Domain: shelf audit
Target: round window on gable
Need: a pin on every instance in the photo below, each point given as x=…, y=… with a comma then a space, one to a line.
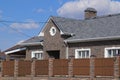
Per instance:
x=52, y=31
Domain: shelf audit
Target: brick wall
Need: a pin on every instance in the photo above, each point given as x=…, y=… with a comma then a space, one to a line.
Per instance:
x=53, y=43
x=97, y=47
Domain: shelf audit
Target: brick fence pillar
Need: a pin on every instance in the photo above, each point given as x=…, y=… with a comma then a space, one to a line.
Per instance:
x=15, y=69
x=33, y=68
x=70, y=67
x=92, y=68
x=1, y=69
x=50, y=68
x=116, y=68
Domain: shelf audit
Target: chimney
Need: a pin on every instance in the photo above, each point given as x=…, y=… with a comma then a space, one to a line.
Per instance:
x=90, y=13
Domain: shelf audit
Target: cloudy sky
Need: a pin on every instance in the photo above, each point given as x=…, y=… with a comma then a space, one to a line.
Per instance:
x=22, y=19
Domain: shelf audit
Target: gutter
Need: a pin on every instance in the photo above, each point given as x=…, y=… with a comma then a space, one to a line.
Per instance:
x=16, y=50
x=92, y=39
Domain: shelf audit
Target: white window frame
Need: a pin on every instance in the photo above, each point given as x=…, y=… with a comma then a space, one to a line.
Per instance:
x=53, y=31
x=37, y=52
x=83, y=49
x=106, y=51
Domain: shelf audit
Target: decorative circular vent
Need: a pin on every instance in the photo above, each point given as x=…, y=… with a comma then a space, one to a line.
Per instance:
x=52, y=31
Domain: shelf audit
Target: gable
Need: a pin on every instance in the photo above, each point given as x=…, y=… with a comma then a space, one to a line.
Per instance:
x=49, y=22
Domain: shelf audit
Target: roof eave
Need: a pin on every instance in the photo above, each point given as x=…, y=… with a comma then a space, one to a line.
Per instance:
x=91, y=39
x=15, y=50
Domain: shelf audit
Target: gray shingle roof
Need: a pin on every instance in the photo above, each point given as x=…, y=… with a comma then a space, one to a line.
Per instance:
x=13, y=48
x=34, y=39
x=98, y=27
x=31, y=40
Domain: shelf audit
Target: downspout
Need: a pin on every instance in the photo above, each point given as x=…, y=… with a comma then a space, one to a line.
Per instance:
x=67, y=50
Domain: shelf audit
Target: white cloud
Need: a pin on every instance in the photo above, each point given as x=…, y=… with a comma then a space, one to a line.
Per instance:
x=40, y=10
x=30, y=25
x=75, y=9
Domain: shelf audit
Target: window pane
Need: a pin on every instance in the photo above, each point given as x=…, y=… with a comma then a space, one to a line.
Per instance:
x=35, y=55
x=114, y=52
x=83, y=54
x=79, y=54
x=109, y=53
x=118, y=51
x=87, y=54
x=38, y=55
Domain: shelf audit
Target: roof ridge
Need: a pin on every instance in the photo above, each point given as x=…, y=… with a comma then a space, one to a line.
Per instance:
x=97, y=17
x=104, y=16
x=64, y=18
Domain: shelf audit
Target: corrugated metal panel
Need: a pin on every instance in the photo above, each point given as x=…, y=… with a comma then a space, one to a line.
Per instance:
x=24, y=68
x=104, y=67
x=81, y=67
x=8, y=68
x=41, y=67
x=60, y=67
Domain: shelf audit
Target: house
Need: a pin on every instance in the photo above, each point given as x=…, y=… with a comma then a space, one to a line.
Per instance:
x=22, y=50
x=93, y=36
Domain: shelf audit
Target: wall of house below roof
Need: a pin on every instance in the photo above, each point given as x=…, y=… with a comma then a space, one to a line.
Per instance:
x=32, y=48
x=53, y=43
x=97, y=47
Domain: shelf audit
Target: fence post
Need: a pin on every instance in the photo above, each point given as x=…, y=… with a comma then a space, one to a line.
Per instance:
x=15, y=69
x=1, y=68
x=116, y=68
x=70, y=67
x=92, y=68
x=33, y=68
x=50, y=68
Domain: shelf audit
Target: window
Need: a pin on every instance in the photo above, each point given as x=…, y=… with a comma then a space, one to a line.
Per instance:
x=37, y=54
x=52, y=31
x=82, y=53
x=111, y=52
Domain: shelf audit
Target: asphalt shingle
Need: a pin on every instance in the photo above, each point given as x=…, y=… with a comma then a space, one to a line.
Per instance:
x=98, y=27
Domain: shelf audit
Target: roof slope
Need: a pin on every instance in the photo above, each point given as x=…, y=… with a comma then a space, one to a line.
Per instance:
x=99, y=27
x=13, y=48
x=34, y=39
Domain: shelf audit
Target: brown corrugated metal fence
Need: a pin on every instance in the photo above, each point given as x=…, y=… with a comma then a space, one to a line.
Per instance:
x=41, y=67
x=8, y=68
x=104, y=66
x=24, y=68
x=60, y=67
x=119, y=66
x=81, y=67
